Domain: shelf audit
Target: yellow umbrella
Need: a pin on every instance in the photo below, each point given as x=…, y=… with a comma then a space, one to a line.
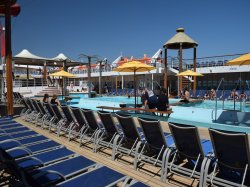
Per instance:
x=189, y=73
x=242, y=60
x=62, y=74
x=134, y=66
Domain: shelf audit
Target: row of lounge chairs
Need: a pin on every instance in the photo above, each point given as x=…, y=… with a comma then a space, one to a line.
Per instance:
x=34, y=160
x=223, y=161
x=221, y=94
x=121, y=92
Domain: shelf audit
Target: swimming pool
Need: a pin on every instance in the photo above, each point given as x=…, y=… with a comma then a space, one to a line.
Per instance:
x=116, y=100
x=200, y=114
x=227, y=105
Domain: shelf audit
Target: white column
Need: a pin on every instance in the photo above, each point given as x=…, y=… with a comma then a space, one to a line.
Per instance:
x=152, y=80
x=122, y=81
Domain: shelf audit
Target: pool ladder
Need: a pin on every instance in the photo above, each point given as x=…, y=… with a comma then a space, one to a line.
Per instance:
x=242, y=101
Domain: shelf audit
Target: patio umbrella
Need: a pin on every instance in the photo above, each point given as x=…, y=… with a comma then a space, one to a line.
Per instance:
x=62, y=74
x=134, y=66
x=242, y=60
x=189, y=73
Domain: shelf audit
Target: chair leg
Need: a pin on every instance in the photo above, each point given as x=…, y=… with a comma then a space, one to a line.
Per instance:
x=115, y=145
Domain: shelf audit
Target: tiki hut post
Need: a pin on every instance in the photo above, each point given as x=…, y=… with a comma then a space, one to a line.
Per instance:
x=194, y=85
x=165, y=69
x=179, y=42
x=180, y=69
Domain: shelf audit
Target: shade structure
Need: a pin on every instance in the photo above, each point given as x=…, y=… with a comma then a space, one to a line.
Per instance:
x=180, y=38
x=134, y=66
x=242, y=60
x=62, y=74
x=189, y=73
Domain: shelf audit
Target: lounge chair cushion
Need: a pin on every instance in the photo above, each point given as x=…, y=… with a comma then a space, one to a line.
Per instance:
x=98, y=178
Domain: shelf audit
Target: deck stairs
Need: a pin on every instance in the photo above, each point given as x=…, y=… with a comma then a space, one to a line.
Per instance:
x=51, y=91
x=186, y=81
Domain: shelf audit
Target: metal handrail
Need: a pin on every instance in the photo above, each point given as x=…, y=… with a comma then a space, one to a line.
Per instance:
x=216, y=98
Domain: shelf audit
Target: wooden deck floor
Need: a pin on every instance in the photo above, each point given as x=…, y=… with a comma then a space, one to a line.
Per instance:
x=147, y=174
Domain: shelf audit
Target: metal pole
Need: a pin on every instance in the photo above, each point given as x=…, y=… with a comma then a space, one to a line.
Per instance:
x=8, y=58
x=180, y=68
x=223, y=101
x=100, y=78
x=27, y=80
x=1, y=60
x=89, y=76
x=44, y=71
x=216, y=99
x=122, y=81
x=116, y=92
x=194, y=85
x=152, y=80
x=135, y=88
x=62, y=88
x=165, y=69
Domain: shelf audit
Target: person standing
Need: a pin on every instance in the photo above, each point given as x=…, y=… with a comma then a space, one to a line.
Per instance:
x=152, y=100
x=163, y=102
x=144, y=97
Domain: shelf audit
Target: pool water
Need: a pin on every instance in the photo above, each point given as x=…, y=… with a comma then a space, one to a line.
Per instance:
x=114, y=101
x=227, y=105
x=201, y=114
x=85, y=102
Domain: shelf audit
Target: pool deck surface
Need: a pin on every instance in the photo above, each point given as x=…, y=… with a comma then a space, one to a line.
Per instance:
x=146, y=173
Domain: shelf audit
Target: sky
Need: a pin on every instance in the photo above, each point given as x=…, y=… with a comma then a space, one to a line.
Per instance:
x=109, y=28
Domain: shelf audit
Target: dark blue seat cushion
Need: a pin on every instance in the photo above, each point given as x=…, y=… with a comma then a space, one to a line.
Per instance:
x=98, y=178
x=66, y=168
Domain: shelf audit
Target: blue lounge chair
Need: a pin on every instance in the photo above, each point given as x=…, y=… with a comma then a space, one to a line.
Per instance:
x=22, y=134
x=40, y=112
x=131, y=139
x=43, y=159
x=13, y=130
x=81, y=127
x=60, y=121
x=9, y=142
x=52, y=119
x=69, y=121
x=2, y=120
x=111, y=131
x=5, y=119
x=34, y=113
x=156, y=149
x=6, y=122
x=60, y=171
x=232, y=155
x=190, y=152
x=25, y=150
x=11, y=125
x=93, y=127
x=44, y=115
x=27, y=110
x=100, y=177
